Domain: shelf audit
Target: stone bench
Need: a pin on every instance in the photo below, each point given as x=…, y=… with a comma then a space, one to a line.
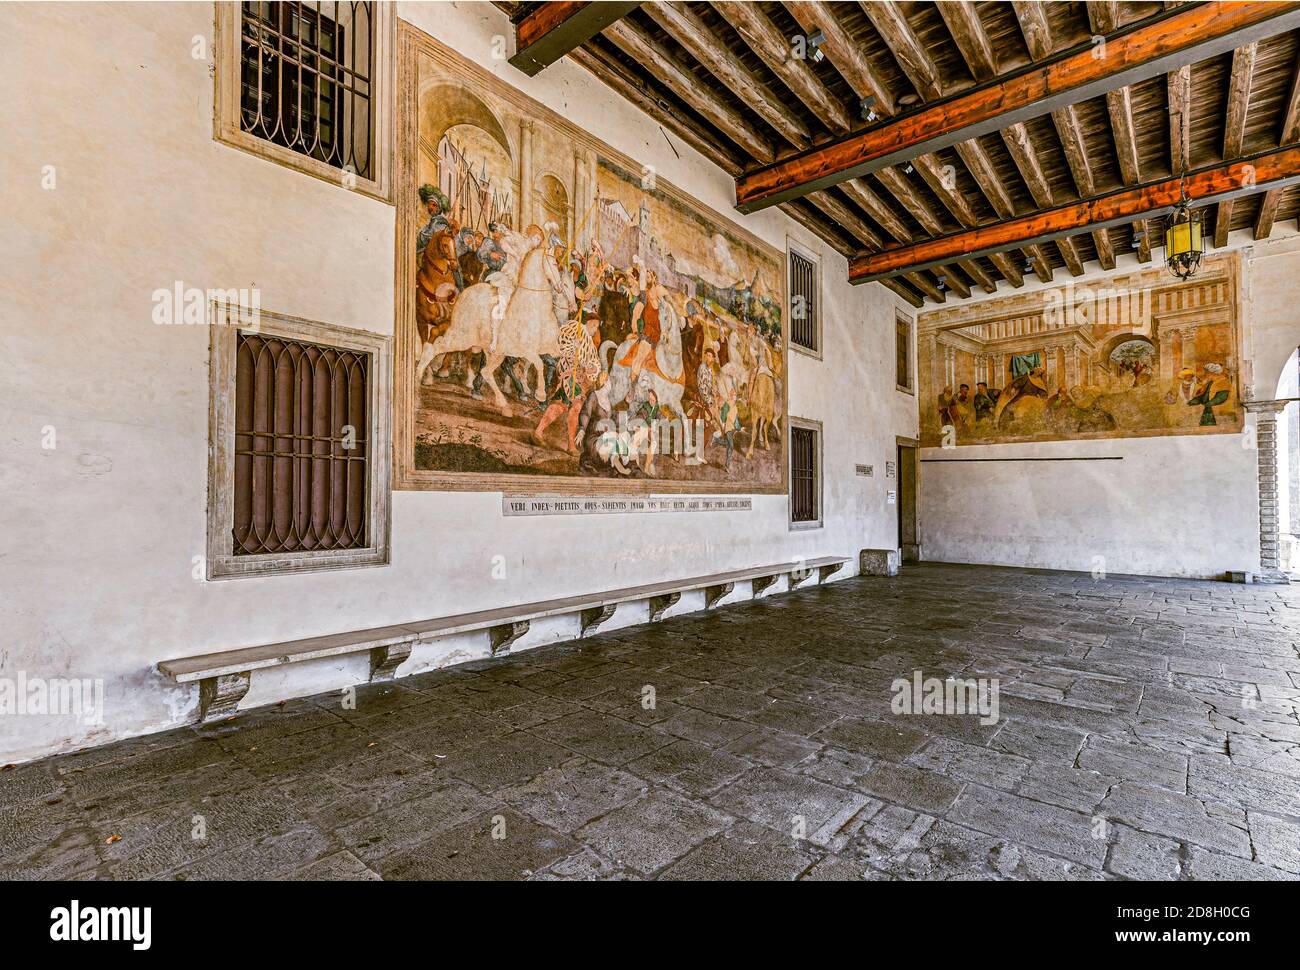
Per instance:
x=224, y=678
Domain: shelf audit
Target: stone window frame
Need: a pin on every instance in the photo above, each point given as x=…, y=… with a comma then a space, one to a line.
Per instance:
x=819, y=475
x=793, y=246
x=224, y=324
x=226, y=127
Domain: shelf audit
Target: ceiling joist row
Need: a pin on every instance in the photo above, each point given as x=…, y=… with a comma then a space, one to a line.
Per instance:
x=948, y=147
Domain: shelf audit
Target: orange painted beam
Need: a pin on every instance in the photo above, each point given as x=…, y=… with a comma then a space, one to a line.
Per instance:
x=1182, y=36
x=1258, y=173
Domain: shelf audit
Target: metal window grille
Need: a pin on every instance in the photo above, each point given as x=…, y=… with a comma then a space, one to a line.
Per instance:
x=306, y=80
x=301, y=453
x=803, y=302
x=803, y=475
x=902, y=347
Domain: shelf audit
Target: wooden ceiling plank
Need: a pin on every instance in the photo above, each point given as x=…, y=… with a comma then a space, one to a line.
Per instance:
x=1267, y=214
x=800, y=214
x=1103, y=16
x=1038, y=259
x=964, y=24
x=953, y=281
x=632, y=89
x=876, y=207
x=906, y=292
x=656, y=59
x=775, y=50
x=1289, y=136
x=694, y=36
x=923, y=283
x=906, y=47
x=1138, y=205
x=1038, y=38
x=1234, y=128
x=1008, y=268
x=1151, y=48
x=1180, y=119
x=844, y=53
x=846, y=219
x=1034, y=26
x=977, y=272
x=549, y=31
x=933, y=173
x=910, y=199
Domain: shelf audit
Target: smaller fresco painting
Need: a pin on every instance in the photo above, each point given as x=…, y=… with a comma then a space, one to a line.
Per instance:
x=1132, y=356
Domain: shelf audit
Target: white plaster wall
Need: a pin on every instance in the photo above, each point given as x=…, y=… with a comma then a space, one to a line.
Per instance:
x=1180, y=505
x=98, y=536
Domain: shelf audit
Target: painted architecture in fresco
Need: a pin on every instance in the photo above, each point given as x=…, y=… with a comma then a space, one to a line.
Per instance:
x=1130, y=356
x=574, y=317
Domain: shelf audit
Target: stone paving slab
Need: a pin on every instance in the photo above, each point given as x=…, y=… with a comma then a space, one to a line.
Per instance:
x=1147, y=729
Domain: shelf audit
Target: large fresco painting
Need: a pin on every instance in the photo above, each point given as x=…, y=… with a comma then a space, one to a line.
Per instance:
x=567, y=320
x=1130, y=356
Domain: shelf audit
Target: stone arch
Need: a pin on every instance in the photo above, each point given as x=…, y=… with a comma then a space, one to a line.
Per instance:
x=444, y=105
x=553, y=200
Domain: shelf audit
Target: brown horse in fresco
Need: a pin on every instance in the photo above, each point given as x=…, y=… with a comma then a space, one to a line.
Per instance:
x=436, y=289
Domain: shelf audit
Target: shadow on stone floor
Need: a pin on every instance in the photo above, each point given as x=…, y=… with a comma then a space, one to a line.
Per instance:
x=1146, y=729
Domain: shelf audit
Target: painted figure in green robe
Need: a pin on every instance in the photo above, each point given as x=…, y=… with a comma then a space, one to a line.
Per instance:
x=1210, y=394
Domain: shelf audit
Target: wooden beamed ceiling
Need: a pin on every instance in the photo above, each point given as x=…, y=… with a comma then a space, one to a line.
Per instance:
x=911, y=129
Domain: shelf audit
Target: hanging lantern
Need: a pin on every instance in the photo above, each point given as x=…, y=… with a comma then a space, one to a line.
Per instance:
x=1184, y=239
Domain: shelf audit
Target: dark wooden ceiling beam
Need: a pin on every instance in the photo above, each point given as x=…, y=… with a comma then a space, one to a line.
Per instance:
x=1181, y=36
x=1234, y=128
x=694, y=36
x=1290, y=135
x=1279, y=169
x=548, y=31
x=660, y=63
x=777, y=52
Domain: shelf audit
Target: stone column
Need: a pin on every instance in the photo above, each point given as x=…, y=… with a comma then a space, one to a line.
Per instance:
x=1266, y=455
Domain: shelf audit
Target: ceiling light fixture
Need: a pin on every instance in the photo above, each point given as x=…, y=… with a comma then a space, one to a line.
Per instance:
x=1184, y=236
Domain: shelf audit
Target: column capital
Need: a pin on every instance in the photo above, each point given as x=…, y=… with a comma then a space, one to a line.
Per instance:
x=1266, y=407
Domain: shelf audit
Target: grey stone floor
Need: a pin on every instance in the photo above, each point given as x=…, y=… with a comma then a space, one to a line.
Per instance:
x=1148, y=729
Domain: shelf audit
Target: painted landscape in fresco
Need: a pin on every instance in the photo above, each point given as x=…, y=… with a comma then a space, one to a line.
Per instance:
x=1132, y=356
x=575, y=319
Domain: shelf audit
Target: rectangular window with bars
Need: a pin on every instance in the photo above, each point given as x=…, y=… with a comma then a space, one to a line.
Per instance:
x=903, y=352
x=306, y=80
x=805, y=475
x=301, y=446
x=805, y=309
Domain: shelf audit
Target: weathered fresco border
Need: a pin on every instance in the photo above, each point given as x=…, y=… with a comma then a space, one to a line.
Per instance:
x=413, y=43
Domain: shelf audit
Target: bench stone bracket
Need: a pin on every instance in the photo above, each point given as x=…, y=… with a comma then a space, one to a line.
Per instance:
x=503, y=636
x=761, y=583
x=714, y=593
x=384, y=661
x=219, y=696
x=594, y=617
x=659, y=605
x=825, y=572
x=797, y=577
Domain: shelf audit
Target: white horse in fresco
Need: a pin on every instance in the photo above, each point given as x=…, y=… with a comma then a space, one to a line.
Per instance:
x=526, y=328
x=668, y=382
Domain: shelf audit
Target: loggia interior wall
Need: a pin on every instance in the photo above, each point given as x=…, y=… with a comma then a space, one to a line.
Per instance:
x=102, y=531
x=1173, y=506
